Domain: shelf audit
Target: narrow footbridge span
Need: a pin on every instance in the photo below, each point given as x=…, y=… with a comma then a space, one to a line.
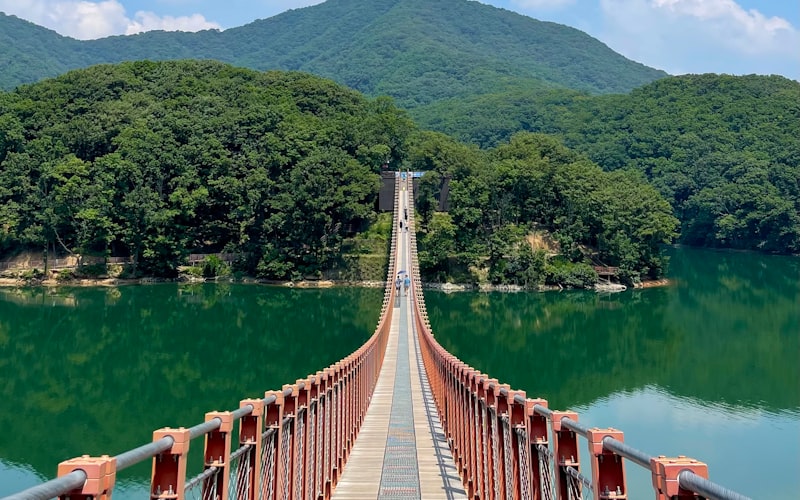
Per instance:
x=400, y=418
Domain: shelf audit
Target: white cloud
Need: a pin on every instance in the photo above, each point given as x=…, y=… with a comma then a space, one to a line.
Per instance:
x=541, y=4
x=698, y=36
x=746, y=30
x=148, y=21
x=84, y=20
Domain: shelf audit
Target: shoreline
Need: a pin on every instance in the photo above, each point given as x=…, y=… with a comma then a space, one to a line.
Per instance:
x=445, y=287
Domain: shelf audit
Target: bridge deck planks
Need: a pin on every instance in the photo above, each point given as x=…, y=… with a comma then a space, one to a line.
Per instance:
x=438, y=477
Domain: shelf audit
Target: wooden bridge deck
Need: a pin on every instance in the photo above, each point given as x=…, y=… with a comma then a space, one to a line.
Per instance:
x=401, y=450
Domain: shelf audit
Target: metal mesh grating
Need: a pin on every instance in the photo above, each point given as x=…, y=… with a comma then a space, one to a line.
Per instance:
x=241, y=472
x=509, y=466
x=268, y=469
x=203, y=486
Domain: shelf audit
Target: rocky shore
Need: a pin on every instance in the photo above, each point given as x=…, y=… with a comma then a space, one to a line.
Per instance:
x=19, y=281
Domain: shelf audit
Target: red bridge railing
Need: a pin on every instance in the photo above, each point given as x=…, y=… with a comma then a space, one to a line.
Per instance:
x=292, y=443
x=508, y=446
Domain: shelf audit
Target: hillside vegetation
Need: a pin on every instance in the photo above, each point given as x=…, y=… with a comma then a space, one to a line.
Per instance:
x=533, y=183
x=156, y=160
x=723, y=150
x=416, y=51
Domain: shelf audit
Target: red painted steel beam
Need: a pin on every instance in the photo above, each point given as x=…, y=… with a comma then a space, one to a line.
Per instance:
x=168, y=479
x=608, y=468
x=250, y=429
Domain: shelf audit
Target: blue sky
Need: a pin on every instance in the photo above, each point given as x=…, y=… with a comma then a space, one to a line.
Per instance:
x=678, y=36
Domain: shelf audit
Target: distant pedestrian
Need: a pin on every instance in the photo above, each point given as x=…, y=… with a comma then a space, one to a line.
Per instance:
x=406, y=283
x=401, y=225
x=397, y=283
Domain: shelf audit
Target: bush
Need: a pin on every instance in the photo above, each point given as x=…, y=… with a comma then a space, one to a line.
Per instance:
x=213, y=267
x=32, y=274
x=195, y=271
x=66, y=275
x=94, y=270
x=570, y=274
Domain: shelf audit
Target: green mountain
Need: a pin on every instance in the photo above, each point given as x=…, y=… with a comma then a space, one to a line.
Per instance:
x=723, y=150
x=155, y=159
x=418, y=51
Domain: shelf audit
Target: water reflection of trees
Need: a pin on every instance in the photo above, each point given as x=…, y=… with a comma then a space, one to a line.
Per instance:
x=559, y=346
x=727, y=333
x=101, y=376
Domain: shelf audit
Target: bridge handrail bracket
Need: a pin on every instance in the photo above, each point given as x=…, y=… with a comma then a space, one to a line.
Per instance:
x=100, y=472
x=608, y=468
x=665, y=474
x=273, y=412
x=168, y=479
x=565, y=449
x=537, y=424
x=217, y=452
x=251, y=427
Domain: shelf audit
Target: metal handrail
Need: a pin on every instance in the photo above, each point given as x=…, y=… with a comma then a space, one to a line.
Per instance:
x=687, y=479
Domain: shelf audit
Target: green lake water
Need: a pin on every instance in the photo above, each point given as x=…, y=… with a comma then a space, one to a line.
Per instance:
x=707, y=367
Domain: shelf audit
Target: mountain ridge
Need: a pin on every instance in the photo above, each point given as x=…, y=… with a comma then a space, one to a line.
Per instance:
x=413, y=50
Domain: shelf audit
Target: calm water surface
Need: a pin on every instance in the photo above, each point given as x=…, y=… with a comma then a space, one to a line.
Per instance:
x=706, y=368
x=93, y=371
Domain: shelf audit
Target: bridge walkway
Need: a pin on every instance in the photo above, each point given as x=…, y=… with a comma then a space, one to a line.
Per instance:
x=401, y=451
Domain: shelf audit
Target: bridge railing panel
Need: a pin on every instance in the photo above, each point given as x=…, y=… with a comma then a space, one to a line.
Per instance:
x=508, y=446
x=292, y=443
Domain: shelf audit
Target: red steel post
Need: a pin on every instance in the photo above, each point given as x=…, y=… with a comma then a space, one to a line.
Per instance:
x=519, y=421
x=290, y=412
x=273, y=417
x=483, y=455
x=505, y=468
x=100, y=476
x=250, y=429
x=336, y=422
x=303, y=402
x=665, y=476
x=327, y=383
x=218, y=453
x=565, y=450
x=537, y=436
x=312, y=484
x=493, y=465
x=463, y=424
x=472, y=433
x=608, y=468
x=168, y=479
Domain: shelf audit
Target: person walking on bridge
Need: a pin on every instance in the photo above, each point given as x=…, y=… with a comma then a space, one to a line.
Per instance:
x=406, y=283
x=397, y=283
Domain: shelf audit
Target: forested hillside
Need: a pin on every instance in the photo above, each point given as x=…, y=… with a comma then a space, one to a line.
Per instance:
x=157, y=160
x=533, y=184
x=723, y=150
x=416, y=51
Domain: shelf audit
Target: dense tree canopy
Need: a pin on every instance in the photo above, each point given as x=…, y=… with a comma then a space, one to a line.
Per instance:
x=533, y=182
x=155, y=160
x=723, y=150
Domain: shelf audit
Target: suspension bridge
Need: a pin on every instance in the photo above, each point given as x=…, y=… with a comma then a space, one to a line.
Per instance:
x=399, y=418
